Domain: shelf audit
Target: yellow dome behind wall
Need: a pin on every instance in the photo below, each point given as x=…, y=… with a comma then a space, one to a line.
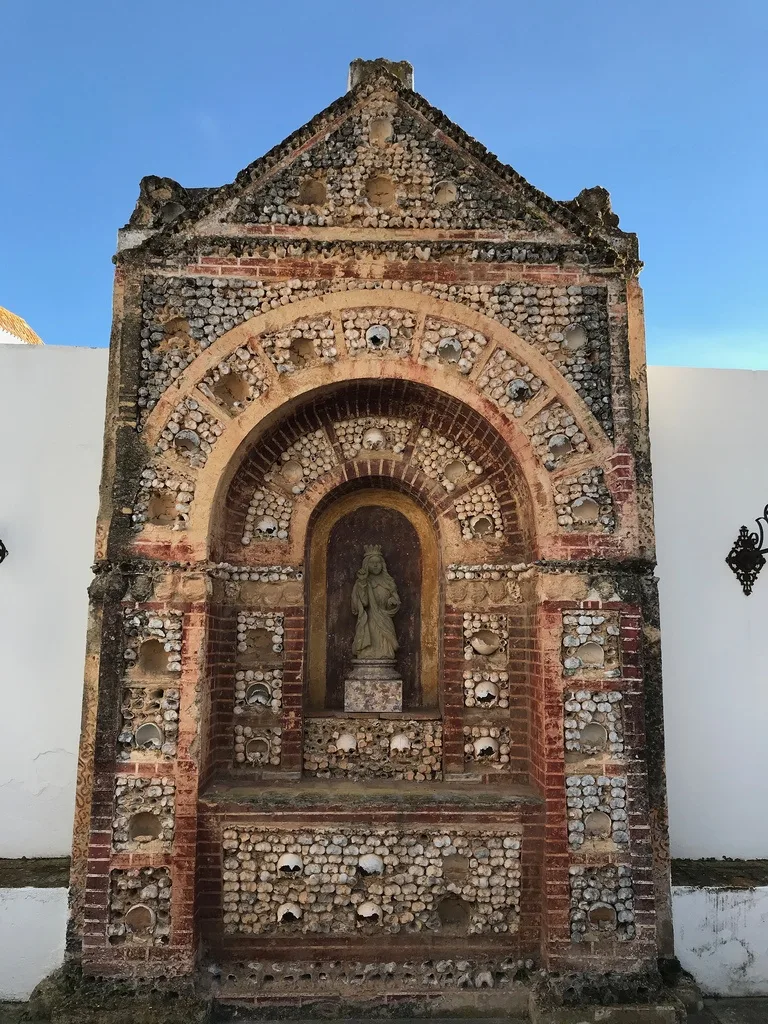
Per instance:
x=15, y=330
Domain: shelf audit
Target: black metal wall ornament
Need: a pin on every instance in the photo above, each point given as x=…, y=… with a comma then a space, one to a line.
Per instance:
x=3, y=552
x=746, y=557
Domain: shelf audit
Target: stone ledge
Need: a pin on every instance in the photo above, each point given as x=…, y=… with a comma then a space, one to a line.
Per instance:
x=341, y=796
x=633, y=997
x=661, y=1013
x=34, y=873
x=720, y=874
x=66, y=997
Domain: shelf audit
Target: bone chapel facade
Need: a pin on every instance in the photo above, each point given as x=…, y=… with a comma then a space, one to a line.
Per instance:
x=372, y=687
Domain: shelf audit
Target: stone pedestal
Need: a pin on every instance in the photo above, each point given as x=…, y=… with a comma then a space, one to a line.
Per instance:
x=373, y=685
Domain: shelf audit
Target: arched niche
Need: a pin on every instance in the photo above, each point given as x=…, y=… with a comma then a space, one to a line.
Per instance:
x=422, y=407
x=342, y=526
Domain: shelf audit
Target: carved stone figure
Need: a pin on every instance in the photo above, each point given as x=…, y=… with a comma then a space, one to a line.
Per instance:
x=374, y=683
x=374, y=601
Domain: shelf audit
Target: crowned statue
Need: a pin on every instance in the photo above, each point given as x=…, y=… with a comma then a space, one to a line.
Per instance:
x=374, y=601
x=374, y=683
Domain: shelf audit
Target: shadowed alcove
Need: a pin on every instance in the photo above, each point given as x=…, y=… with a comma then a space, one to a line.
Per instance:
x=342, y=528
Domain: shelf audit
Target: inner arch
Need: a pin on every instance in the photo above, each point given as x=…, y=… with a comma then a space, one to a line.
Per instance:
x=408, y=402
x=341, y=528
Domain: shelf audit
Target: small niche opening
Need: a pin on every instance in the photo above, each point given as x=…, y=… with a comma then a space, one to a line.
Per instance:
x=593, y=737
x=186, y=441
x=482, y=526
x=231, y=391
x=445, y=192
x=377, y=336
x=575, y=339
x=597, y=825
x=380, y=191
x=174, y=325
x=144, y=826
x=585, y=510
x=453, y=913
x=161, y=510
x=258, y=647
x=257, y=750
x=449, y=350
x=591, y=655
x=485, y=641
x=602, y=916
x=148, y=736
x=302, y=351
x=455, y=472
x=455, y=868
x=312, y=192
x=153, y=658
x=140, y=919
x=380, y=130
x=559, y=445
x=175, y=334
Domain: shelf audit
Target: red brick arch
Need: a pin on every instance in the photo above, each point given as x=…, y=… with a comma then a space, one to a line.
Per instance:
x=426, y=408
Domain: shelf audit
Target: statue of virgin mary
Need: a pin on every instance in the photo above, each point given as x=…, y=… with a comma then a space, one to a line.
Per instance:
x=374, y=601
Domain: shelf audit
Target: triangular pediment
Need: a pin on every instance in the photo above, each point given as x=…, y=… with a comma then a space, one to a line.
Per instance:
x=380, y=157
x=386, y=166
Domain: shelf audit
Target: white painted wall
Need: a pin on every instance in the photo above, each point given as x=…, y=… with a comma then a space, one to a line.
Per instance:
x=720, y=938
x=51, y=424
x=710, y=470
x=32, y=929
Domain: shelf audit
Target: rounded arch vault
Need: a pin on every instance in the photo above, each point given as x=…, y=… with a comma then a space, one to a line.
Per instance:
x=403, y=434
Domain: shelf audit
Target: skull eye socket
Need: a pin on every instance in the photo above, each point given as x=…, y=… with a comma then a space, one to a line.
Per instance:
x=377, y=336
x=518, y=390
x=449, y=350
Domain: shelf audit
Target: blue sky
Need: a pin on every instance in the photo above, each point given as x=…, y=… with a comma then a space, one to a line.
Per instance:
x=663, y=103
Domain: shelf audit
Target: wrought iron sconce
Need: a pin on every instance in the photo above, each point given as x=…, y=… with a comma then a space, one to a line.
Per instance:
x=3, y=552
x=746, y=557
